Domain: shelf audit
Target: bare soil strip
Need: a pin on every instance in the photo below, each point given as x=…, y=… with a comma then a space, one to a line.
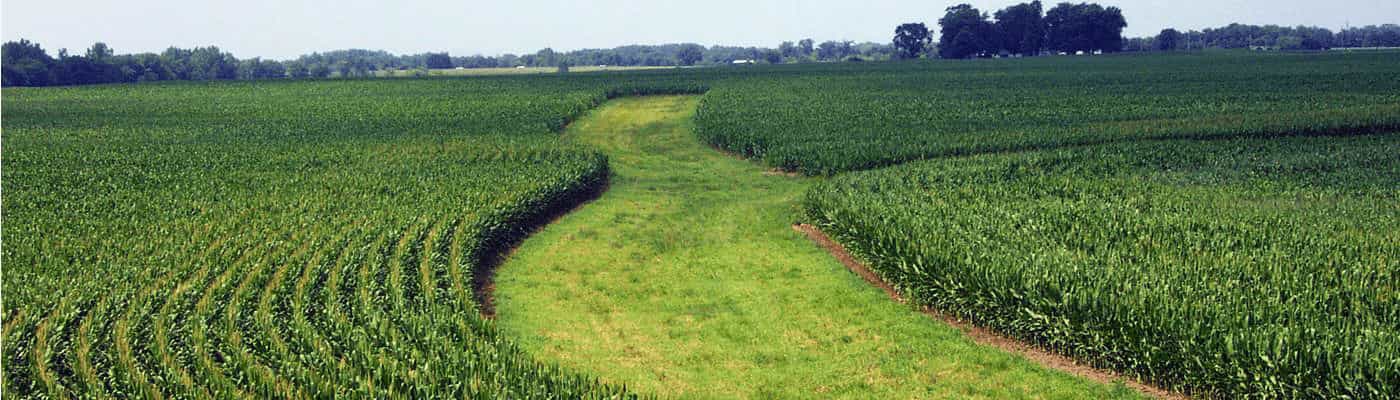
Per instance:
x=984, y=336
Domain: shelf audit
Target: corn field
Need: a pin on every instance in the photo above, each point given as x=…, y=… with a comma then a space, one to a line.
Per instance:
x=1222, y=224
x=278, y=240
x=1236, y=268
x=823, y=120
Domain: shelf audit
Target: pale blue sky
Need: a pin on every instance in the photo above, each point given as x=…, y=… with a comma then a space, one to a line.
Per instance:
x=286, y=28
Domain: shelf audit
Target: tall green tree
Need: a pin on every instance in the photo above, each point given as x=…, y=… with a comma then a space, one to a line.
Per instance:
x=910, y=40
x=210, y=63
x=1108, y=30
x=788, y=49
x=969, y=29
x=99, y=52
x=805, y=47
x=25, y=63
x=1021, y=28
x=177, y=61
x=1085, y=27
x=964, y=45
x=690, y=53
x=772, y=56
x=546, y=57
x=439, y=61
x=1169, y=39
x=1314, y=38
x=832, y=50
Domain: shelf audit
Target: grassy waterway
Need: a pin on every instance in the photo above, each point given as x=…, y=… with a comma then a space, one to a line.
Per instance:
x=686, y=279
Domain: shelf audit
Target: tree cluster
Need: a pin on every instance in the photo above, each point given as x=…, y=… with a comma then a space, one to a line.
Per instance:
x=361, y=62
x=1085, y=27
x=25, y=63
x=636, y=55
x=437, y=61
x=1021, y=29
x=910, y=40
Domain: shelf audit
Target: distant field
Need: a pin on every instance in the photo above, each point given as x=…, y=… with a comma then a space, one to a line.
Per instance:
x=1223, y=223
x=853, y=117
x=514, y=71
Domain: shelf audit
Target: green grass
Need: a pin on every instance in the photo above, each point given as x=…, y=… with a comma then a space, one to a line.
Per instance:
x=686, y=279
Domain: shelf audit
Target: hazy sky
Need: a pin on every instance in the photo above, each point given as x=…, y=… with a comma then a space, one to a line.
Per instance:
x=284, y=29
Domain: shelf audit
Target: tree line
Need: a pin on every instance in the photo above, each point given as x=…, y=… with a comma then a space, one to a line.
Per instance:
x=1273, y=37
x=687, y=54
x=1025, y=29
x=26, y=63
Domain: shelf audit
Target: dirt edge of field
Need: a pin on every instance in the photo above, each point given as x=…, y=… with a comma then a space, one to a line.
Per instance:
x=484, y=272
x=984, y=336
x=768, y=171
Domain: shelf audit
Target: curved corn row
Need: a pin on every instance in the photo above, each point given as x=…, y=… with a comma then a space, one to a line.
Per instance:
x=322, y=308
x=253, y=266
x=1246, y=268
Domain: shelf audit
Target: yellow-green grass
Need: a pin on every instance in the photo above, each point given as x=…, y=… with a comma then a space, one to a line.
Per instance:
x=686, y=280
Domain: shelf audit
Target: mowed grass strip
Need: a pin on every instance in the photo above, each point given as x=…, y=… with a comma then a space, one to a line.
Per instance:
x=685, y=279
